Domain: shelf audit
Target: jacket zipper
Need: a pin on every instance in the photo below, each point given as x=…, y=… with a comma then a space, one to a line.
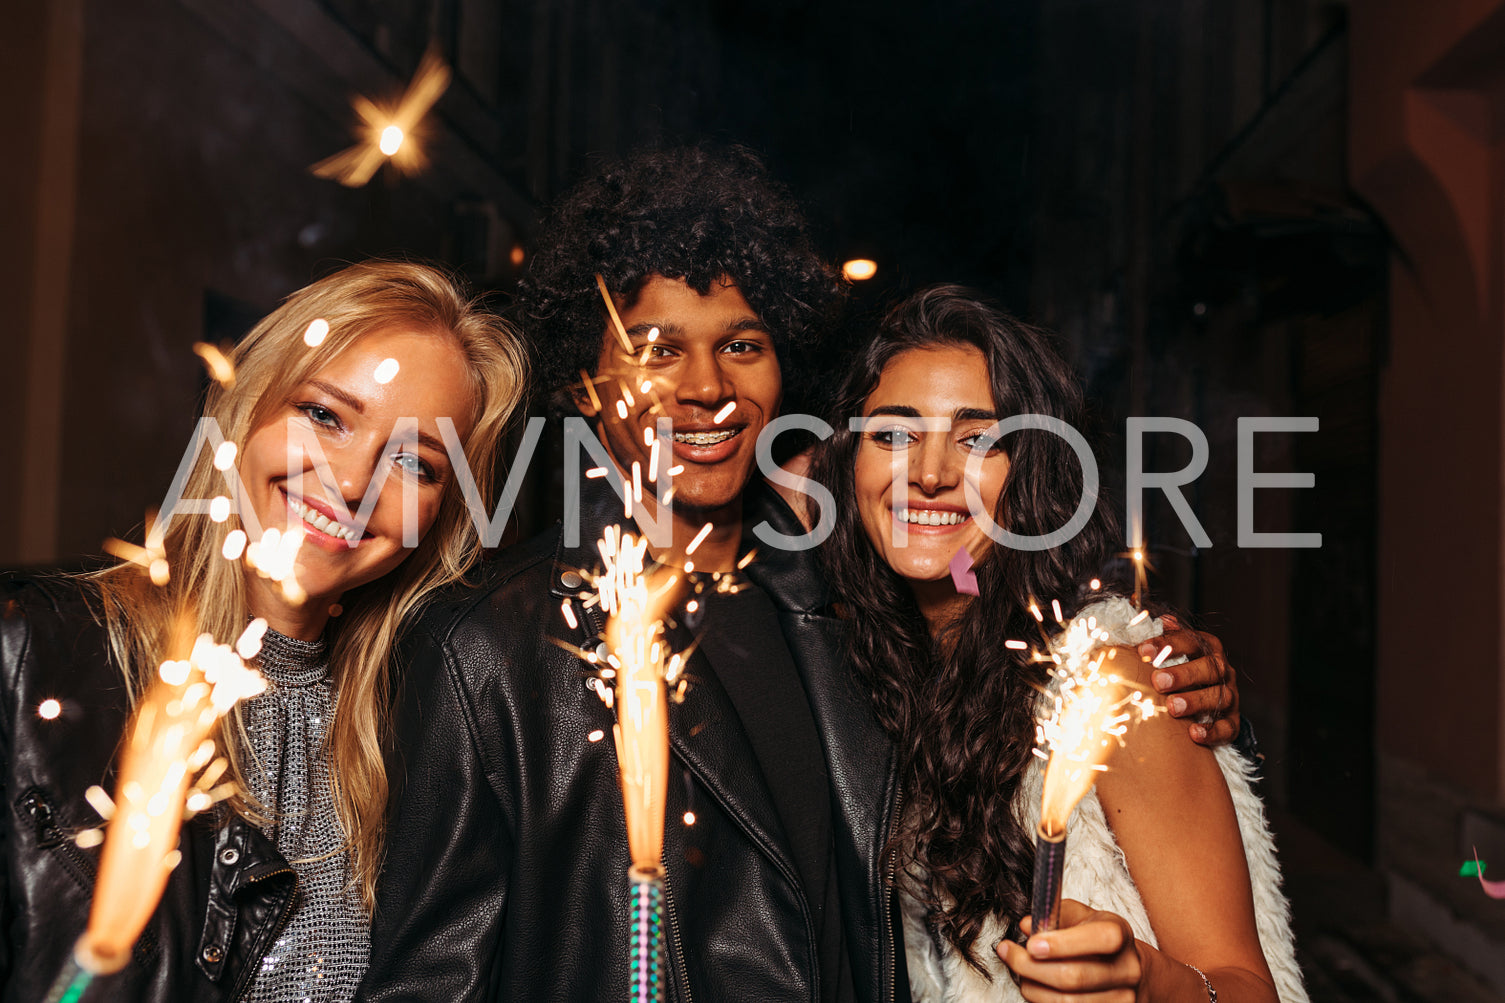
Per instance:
x=888, y=917
x=51, y=837
x=55, y=839
x=674, y=935
x=248, y=976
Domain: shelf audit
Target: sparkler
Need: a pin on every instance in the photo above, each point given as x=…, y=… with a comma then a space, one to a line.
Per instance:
x=1089, y=712
x=167, y=773
x=643, y=669
x=388, y=132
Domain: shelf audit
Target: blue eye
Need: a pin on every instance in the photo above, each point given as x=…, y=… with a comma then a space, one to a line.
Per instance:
x=319, y=415
x=413, y=464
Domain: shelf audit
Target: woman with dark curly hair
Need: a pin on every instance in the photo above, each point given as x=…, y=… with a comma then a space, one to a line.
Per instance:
x=1160, y=847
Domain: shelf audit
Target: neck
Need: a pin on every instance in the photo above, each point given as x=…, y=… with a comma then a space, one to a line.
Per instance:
x=716, y=551
x=303, y=622
x=940, y=604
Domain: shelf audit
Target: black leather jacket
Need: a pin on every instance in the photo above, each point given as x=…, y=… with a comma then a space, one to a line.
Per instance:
x=225, y=900
x=507, y=849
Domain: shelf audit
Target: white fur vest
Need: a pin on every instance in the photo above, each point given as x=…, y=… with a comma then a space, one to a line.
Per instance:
x=1097, y=874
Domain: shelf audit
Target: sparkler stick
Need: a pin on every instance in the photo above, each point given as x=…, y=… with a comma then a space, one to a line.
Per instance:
x=1087, y=717
x=643, y=669
x=167, y=745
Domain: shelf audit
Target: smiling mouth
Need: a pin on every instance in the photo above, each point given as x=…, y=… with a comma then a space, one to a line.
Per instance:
x=931, y=517
x=321, y=522
x=706, y=438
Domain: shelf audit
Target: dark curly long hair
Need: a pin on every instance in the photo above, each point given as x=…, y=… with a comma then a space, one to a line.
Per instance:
x=696, y=213
x=961, y=708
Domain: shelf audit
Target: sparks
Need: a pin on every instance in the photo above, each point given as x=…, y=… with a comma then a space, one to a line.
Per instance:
x=1087, y=714
x=49, y=709
x=389, y=132
x=705, y=531
x=218, y=364
x=724, y=412
x=317, y=331
x=158, y=758
x=611, y=310
x=635, y=600
x=386, y=372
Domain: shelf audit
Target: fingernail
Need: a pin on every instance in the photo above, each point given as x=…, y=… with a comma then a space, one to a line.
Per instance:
x=1162, y=680
x=1177, y=705
x=1198, y=732
x=1147, y=649
x=1039, y=947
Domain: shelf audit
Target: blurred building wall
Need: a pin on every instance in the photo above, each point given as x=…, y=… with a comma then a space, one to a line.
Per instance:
x=1426, y=151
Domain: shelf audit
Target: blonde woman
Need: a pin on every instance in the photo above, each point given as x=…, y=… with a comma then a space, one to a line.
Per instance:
x=342, y=439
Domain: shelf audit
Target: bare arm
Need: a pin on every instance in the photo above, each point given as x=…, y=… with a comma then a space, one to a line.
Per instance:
x=1170, y=810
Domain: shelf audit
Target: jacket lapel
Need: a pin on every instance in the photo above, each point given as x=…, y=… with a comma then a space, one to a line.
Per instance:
x=859, y=756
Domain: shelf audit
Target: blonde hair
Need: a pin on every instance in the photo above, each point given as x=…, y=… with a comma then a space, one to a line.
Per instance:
x=270, y=363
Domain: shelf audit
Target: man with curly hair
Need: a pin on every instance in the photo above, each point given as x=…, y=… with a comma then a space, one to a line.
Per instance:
x=507, y=862
x=506, y=869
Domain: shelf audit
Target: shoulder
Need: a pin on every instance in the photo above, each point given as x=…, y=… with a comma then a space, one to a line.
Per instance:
x=797, y=466
x=44, y=616
x=493, y=627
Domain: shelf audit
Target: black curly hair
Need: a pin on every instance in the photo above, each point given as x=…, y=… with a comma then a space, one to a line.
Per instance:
x=960, y=707
x=696, y=213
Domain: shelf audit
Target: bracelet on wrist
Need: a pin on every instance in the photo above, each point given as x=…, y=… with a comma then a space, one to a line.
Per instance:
x=1212, y=994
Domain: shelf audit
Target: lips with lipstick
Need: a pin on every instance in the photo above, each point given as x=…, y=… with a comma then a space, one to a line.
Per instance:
x=323, y=523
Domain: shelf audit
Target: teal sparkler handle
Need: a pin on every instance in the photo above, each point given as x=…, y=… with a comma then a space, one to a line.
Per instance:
x=70, y=983
x=646, y=931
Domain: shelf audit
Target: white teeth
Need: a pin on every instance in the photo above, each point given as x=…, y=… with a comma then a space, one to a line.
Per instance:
x=318, y=520
x=931, y=517
x=705, y=438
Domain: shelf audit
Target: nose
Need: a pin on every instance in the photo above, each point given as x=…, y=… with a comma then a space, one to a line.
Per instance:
x=933, y=467
x=703, y=381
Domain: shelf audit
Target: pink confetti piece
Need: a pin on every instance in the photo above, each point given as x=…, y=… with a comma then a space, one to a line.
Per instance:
x=962, y=575
x=1494, y=889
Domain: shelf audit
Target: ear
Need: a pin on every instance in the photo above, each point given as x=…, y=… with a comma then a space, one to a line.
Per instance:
x=586, y=400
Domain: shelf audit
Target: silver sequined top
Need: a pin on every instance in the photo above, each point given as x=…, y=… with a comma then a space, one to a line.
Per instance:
x=321, y=953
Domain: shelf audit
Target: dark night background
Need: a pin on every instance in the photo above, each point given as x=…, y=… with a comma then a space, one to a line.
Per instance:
x=1226, y=208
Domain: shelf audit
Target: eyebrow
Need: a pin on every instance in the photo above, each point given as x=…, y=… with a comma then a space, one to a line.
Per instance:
x=673, y=330
x=343, y=396
x=355, y=404
x=960, y=414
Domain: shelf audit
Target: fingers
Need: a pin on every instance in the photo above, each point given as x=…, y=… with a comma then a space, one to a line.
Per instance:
x=1098, y=977
x=1193, y=644
x=1220, y=732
